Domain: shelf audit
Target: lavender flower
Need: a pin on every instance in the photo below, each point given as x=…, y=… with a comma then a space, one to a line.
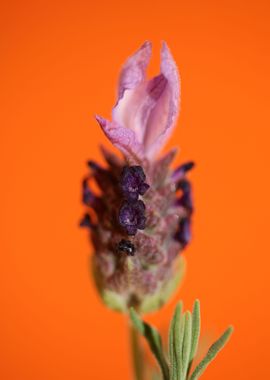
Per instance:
x=141, y=218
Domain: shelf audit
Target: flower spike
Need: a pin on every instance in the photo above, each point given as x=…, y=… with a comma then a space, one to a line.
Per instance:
x=143, y=209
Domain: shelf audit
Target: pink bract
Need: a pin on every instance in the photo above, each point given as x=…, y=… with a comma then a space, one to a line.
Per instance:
x=146, y=109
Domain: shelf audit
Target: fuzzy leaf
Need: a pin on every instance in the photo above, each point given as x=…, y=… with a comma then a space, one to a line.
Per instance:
x=172, y=351
x=179, y=332
x=154, y=340
x=196, y=326
x=212, y=353
x=179, y=345
x=186, y=344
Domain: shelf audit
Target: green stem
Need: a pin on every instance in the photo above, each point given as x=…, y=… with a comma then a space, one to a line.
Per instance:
x=137, y=354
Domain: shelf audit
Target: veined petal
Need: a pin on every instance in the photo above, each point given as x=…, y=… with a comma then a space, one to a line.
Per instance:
x=163, y=117
x=134, y=70
x=134, y=104
x=122, y=138
x=149, y=108
x=134, y=109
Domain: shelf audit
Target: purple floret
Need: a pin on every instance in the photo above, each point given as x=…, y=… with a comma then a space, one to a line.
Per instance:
x=86, y=221
x=131, y=216
x=186, y=201
x=183, y=185
x=133, y=182
x=180, y=172
x=93, y=165
x=87, y=195
x=183, y=234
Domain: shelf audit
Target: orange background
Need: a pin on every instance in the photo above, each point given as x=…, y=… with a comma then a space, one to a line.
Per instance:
x=59, y=66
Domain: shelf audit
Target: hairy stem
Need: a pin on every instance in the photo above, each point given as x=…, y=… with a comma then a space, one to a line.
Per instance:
x=137, y=353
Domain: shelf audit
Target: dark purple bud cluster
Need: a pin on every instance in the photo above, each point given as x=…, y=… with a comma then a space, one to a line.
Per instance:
x=131, y=216
x=133, y=183
x=127, y=247
x=132, y=212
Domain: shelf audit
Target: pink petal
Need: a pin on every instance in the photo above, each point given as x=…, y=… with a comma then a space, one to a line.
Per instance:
x=122, y=138
x=134, y=104
x=163, y=117
x=134, y=109
x=137, y=97
x=149, y=108
x=134, y=70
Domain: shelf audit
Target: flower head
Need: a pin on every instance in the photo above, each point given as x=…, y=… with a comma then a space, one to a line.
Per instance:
x=140, y=221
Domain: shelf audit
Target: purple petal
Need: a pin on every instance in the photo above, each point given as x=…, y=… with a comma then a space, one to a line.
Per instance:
x=183, y=235
x=86, y=222
x=93, y=165
x=186, y=201
x=184, y=185
x=88, y=197
x=164, y=115
x=122, y=138
x=180, y=172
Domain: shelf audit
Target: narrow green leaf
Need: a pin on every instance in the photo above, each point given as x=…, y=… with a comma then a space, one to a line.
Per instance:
x=137, y=353
x=212, y=353
x=172, y=353
x=196, y=326
x=179, y=331
x=186, y=345
x=154, y=340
